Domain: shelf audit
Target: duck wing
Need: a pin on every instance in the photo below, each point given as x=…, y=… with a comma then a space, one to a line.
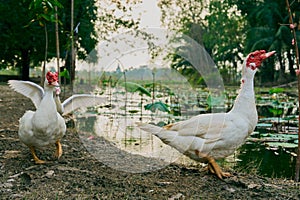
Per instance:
x=206, y=126
x=81, y=100
x=28, y=89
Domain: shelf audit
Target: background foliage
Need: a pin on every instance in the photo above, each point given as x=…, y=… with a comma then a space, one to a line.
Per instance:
x=22, y=29
x=228, y=29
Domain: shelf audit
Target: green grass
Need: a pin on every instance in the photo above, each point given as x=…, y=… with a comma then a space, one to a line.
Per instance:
x=8, y=72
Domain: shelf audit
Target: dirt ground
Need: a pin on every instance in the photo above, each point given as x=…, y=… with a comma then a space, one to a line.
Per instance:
x=78, y=175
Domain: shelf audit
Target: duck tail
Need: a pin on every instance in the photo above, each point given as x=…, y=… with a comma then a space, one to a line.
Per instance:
x=150, y=128
x=167, y=136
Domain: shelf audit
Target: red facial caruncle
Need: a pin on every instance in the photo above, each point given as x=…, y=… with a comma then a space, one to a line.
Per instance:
x=52, y=77
x=255, y=58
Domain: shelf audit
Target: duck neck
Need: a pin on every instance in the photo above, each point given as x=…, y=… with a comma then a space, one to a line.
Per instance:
x=245, y=101
x=47, y=105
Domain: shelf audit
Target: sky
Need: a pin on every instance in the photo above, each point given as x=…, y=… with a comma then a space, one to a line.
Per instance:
x=129, y=56
x=150, y=14
x=116, y=52
x=127, y=52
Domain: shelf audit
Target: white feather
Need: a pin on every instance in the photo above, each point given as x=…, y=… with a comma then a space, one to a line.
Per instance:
x=28, y=89
x=36, y=93
x=215, y=135
x=81, y=100
x=44, y=126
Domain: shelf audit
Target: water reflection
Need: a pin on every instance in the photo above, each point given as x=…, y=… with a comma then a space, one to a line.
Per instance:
x=255, y=157
x=123, y=135
x=252, y=157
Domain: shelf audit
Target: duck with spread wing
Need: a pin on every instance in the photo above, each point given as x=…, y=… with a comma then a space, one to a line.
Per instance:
x=46, y=126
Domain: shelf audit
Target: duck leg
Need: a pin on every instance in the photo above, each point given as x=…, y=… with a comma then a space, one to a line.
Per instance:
x=58, y=151
x=213, y=167
x=36, y=159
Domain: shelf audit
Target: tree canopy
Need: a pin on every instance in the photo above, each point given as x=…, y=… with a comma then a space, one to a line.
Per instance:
x=230, y=29
x=22, y=32
x=269, y=29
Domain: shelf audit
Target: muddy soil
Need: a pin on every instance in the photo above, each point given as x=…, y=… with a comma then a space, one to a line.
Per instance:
x=79, y=175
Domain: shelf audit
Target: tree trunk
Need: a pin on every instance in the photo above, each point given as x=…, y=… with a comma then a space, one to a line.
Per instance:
x=72, y=74
x=45, y=58
x=57, y=43
x=297, y=167
x=25, y=60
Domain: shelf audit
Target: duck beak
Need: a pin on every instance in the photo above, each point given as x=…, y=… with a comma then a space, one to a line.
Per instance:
x=55, y=83
x=267, y=55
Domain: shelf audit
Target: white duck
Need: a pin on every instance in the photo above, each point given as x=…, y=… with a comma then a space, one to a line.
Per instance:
x=46, y=126
x=213, y=136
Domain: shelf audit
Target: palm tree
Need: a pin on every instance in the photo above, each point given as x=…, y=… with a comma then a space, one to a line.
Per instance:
x=269, y=30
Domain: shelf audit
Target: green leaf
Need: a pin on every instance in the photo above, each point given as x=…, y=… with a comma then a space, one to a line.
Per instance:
x=49, y=4
x=276, y=111
x=134, y=87
x=65, y=74
x=133, y=111
x=46, y=17
x=157, y=106
x=282, y=144
x=276, y=90
x=278, y=136
x=41, y=24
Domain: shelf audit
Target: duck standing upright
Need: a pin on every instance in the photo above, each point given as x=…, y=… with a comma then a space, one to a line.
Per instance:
x=45, y=126
x=207, y=137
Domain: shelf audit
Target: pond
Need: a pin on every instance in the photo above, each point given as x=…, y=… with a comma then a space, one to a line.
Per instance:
x=260, y=154
x=254, y=157
x=269, y=151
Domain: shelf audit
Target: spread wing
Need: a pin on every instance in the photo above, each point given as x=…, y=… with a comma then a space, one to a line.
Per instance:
x=81, y=100
x=28, y=89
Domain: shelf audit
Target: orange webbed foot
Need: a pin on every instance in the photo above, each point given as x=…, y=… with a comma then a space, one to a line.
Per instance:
x=213, y=167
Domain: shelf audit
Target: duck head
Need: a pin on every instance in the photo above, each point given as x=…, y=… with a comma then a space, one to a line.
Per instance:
x=254, y=61
x=51, y=79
